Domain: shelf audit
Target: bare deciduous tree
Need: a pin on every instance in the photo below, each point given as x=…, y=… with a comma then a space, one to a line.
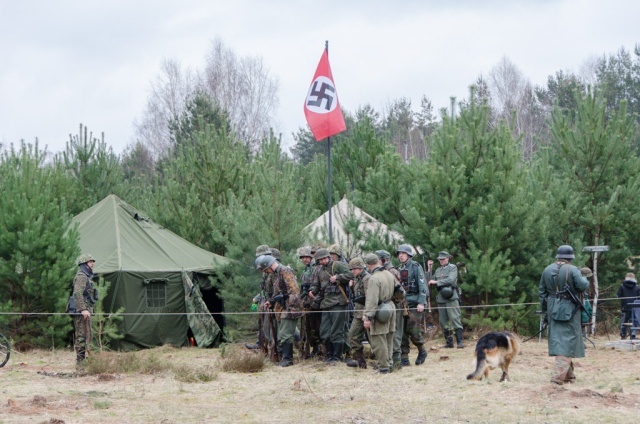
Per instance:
x=168, y=95
x=244, y=88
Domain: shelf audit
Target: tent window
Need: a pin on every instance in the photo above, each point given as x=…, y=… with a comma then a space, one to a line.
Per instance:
x=156, y=293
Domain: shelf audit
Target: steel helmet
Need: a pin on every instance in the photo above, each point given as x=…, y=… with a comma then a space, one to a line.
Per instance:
x=447, y=292
x=383, y=254
x=336, y=249
x=304, y=251
x=565, y=252
x=84, y=258
x=356, y=263
x=263, y=249
x=383, y=312
x=264, y=261
x=406, y=248
x=275, y=253
x=321, y=253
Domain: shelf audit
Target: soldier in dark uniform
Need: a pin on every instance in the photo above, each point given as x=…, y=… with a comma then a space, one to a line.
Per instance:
x=310, y=322
x=329, y=295
x=400, y=303
x=84, y=296
x=415, y=287
x=264, y=329
x=559, y=281
x=446, y=282
x=285, y=302
x=357, y=332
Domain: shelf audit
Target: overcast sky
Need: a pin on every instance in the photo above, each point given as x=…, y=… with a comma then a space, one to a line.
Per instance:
x=63, y=63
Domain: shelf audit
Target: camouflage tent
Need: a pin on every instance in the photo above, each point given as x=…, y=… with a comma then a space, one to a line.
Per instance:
x=160, y=279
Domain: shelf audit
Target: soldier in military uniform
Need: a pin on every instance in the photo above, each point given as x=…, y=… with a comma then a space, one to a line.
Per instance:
x=559, y=284
x=446, y=282
x=329, y=295
x=336, y=253
x=84, y=296
x=264, y=329
x=412, y=279
x=357, y=332
x=309, y=322
x=400, y=303
x=379, y=312
x=285, y=302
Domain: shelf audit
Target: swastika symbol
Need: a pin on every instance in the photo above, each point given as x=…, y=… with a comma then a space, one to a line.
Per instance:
x=322, y=96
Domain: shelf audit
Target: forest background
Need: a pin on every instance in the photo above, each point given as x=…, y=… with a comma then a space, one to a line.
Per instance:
x=499, y=179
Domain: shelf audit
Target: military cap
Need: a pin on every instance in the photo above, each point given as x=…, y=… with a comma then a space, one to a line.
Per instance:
x=444, y=255
x=304, y=251
x=275, y=253
x=263, y=249
x=371, y=259
x=321, y=253
x=356, y=263
x=586, y=272
x=383, y=254
x=84, y=258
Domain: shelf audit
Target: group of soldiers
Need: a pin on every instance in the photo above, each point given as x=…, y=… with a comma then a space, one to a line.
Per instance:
x=338, y=305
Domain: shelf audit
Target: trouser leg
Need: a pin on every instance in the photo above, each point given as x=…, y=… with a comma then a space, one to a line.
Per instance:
x=561, y=369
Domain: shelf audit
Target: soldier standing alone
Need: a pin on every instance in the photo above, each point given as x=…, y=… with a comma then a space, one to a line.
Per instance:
x=446, y=282
x=85, y=297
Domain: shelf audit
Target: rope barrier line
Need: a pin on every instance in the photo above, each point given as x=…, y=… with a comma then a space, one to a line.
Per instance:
x=471, y=307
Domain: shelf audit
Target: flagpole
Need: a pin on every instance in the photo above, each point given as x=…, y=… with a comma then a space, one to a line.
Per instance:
x=326, y=47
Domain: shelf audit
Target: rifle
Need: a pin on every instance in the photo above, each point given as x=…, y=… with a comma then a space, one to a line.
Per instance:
x=273, y=344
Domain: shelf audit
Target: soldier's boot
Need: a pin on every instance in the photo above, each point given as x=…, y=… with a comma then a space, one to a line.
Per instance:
x=404, y=361
x=348, y=359
x=252, y=346
x=329, y=352
x=422, y=355
x=448, y=339
x=459, y=338
x=337, y=351
x=287, y=355
x=362, y=363
x=315, y=351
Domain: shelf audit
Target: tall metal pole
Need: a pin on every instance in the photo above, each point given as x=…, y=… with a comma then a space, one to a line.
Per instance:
x=326, y=46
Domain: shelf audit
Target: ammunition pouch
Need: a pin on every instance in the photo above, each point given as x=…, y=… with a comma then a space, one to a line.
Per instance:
x=71, y=306
x=360, y=300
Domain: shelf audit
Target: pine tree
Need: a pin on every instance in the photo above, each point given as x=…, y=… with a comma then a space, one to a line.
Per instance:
x=36, y=252
x=470, y=199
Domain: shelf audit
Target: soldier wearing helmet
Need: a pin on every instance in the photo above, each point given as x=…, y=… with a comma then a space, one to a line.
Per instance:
x=379, y=313
x=357, y=332
x=329, y=295
x=400, y=303
x=266, y=289
x=446, y=281
x=309, y=322
x=336, y=253
x=415, y=287
x=285, y=302
x=560, y=285
x=85, y=297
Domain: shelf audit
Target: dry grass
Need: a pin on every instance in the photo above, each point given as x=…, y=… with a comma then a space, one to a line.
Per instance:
x=239, y=359
x=36, y=388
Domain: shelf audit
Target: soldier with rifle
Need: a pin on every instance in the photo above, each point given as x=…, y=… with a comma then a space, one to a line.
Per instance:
x=329, y=295
x=412, y=279
x=285, y=303
x=357, y=332
x=264, y=324
x=400, y=304
x=310, y=322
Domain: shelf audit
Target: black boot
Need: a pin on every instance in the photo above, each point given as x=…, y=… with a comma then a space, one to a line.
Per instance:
x=448, y=338
x=459, y=338
x=329, y=352
x=422, y=355
x=337, y=351
x=287, y=355
x=362, y=363
x=252, y=346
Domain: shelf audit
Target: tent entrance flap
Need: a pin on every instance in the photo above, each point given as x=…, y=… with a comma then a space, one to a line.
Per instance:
x=204, y=327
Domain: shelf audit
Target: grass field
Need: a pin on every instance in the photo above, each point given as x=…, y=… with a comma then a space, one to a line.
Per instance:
x=189, y=385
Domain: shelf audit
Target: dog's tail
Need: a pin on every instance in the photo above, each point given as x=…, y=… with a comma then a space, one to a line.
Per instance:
x=481, y=364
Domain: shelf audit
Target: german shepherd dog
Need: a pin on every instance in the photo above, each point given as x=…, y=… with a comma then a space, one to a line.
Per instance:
x=493, y=350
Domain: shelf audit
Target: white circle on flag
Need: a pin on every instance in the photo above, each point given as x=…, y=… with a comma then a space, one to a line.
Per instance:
x=322, y=96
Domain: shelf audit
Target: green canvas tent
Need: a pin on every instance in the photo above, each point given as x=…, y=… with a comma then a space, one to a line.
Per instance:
x=160, y=279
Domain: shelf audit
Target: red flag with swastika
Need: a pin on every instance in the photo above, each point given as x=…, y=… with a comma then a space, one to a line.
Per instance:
x=321, y=107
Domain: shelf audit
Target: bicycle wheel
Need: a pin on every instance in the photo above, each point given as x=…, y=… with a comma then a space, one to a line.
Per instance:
x=5, y=350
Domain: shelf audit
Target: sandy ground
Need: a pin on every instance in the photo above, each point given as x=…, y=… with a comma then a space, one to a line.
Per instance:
x=43, y=387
